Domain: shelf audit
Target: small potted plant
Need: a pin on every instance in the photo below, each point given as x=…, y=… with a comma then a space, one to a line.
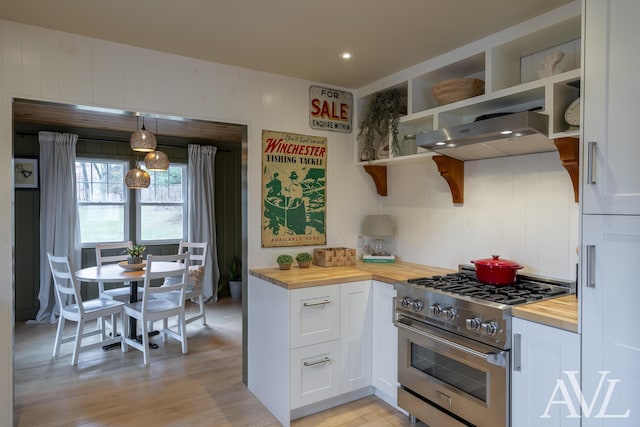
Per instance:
x=235, y=278
x=135, y=254
x=304, y=259
x=284, y=261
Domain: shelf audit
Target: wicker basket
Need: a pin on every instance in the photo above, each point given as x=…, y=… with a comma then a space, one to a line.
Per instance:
x=334, y=257
x=448, y=91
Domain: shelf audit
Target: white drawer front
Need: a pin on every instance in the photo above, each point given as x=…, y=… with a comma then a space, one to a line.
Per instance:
x=315, y=315
x=314, y=373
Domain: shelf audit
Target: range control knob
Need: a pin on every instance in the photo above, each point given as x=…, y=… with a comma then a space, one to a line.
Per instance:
x=405, y=302
x=449, y=313
x=473, y=324
x=489, y=328
x=418, y=305
x=435, y=310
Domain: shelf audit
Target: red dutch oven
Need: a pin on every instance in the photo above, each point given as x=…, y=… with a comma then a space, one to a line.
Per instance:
x=496, y=271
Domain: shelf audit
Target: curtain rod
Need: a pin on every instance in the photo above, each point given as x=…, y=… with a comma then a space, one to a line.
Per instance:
x=119, y=141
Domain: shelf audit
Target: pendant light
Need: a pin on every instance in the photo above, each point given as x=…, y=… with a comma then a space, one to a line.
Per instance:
x=143, y=140
x=156, y=160
x=137, y=179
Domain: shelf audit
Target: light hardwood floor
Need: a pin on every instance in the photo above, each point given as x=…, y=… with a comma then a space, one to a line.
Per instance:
x=201, y=388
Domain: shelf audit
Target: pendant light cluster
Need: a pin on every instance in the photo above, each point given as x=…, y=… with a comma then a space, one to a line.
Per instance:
x=143, y=141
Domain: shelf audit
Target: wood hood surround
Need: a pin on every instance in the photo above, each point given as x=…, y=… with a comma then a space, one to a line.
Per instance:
x=452, y=170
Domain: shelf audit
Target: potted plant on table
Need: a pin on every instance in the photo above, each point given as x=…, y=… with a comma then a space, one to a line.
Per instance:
x=235, y=278
x=135, y=254
x=284, y=261
x=304, y=259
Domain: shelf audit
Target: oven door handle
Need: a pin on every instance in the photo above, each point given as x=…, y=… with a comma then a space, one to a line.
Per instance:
x=496, y=359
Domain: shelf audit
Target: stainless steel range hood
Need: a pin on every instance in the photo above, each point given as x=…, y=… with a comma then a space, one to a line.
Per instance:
x=508, y=135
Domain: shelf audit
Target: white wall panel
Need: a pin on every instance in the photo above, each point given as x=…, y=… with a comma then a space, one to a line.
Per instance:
x=49, y=64
x=520, y=207
x=11, y=57
x=161, y=81
x=75, y=65
x=108, y=74
x=271, y=99
x=221, y=99
x=145, y=82
x=32, y=69
x=131, y=78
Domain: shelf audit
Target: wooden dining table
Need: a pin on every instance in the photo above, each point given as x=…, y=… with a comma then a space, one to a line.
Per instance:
x=114, y=273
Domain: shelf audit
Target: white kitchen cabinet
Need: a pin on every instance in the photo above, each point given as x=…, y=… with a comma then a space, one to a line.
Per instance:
x=355, y=335
x=315, y=373
x=308, y=349
x=610, y=235
x=611, y=89
x=315, y=315
x=540, y=357
x=384, y=371
x=610, y=293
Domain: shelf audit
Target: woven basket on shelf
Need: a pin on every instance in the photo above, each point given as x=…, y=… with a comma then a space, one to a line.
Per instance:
x=448, y=91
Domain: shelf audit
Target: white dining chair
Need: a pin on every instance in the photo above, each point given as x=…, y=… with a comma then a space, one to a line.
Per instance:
x=156, y=305
x=109, y=253
x=75, y=309
x=197, y=263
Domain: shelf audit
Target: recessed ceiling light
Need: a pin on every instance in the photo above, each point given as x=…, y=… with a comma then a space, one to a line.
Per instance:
x=345, y=55
x=506, y=132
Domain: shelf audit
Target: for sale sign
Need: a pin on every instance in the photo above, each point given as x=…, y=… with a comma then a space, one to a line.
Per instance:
x=330, y=109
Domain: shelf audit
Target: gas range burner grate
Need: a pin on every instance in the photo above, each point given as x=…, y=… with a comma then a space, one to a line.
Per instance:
x=466, y=284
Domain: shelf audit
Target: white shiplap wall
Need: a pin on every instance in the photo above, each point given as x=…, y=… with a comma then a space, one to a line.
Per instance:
x=521, y=207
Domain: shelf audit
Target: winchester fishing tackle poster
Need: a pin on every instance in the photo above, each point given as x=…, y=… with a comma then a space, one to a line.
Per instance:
x=293, y=189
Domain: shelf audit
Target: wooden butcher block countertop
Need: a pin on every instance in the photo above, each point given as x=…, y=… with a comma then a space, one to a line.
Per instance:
x=561, y=312
x=314, y=275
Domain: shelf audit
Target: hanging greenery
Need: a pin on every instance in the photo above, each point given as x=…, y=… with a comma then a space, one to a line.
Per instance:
x=381, y=117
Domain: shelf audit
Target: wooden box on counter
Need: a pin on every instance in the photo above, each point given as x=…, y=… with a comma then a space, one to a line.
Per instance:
x=334, y=257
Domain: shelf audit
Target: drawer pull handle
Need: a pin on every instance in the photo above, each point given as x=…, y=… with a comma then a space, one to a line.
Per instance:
x=591, y=159
x=517, y=352
x=313, y=304
x=591, y=266
x=317, y=362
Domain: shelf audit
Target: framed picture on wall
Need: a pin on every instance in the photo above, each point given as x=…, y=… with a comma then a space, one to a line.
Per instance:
x=25, y=173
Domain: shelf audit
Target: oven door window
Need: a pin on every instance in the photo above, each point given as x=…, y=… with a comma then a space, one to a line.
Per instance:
x=458, y=375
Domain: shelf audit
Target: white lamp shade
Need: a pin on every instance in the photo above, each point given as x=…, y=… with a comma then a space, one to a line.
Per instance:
x=143, y=140
x=378, y=225
x=137, y=179
x=156, y=161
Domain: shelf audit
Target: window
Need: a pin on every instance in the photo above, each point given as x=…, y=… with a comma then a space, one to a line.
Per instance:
x=102, y=201
x=103, y=204
x=162, y=208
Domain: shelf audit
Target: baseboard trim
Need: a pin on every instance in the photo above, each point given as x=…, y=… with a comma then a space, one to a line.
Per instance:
x=331, y=402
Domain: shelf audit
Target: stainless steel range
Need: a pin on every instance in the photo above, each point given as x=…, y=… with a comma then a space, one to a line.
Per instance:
x=454, y=341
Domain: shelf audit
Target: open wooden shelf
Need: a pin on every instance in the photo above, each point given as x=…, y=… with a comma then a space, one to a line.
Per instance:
x=452, y=170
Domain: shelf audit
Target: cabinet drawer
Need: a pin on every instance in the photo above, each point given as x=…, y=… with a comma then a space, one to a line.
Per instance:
x=314, y=373
x=315, y=315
